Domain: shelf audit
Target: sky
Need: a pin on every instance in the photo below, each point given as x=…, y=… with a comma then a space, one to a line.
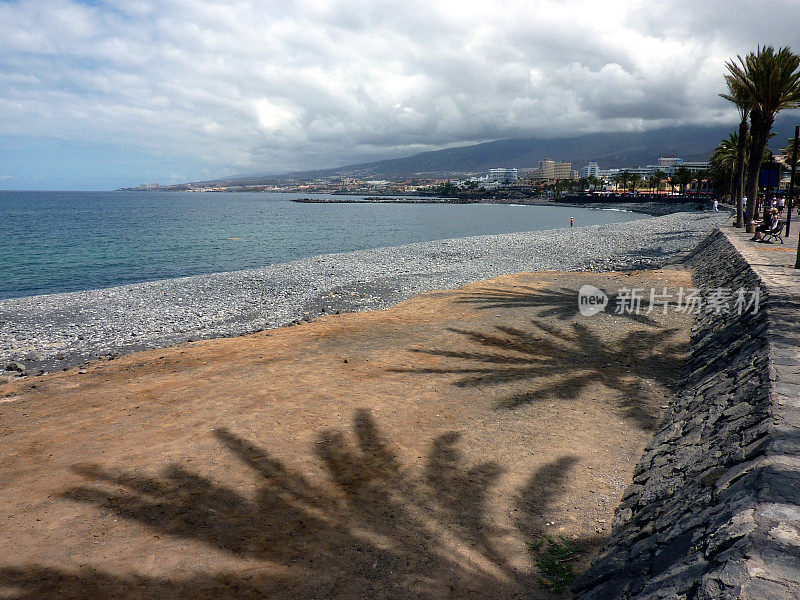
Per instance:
x=98, y=95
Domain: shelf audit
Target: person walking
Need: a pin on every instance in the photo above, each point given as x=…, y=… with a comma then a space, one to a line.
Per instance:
x=716, y=205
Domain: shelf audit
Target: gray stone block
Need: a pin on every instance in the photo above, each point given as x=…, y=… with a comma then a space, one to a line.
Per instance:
x=762, y=589
x=781, y=566
x=717, y=489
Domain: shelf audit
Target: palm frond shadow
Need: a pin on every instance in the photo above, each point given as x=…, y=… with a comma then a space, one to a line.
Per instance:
x=577, y=355
x=559, y=303
x=372, y=530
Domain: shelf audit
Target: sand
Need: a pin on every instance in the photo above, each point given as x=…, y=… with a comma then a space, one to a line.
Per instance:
x=413, y=452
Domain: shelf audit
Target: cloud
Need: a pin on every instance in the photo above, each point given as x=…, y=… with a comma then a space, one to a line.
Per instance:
x=267, y=86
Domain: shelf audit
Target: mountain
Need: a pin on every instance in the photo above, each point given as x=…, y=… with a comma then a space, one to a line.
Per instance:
x=609, y=150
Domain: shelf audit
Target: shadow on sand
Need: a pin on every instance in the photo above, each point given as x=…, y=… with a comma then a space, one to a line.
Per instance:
x=559, y=303
x=546, y=362
x=372, y=530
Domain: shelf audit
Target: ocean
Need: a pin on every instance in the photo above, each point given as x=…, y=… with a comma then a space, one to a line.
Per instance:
x=70, y=241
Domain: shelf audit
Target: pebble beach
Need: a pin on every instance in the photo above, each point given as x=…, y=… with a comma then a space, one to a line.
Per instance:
x=56, y=331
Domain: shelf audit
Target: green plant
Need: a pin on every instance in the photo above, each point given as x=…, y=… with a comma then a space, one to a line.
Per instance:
x=739, y=95
x=768, y=81
x=555, y=562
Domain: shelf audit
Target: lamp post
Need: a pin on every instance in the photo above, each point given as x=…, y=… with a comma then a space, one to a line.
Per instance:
x=791, y=192
x=791, y=181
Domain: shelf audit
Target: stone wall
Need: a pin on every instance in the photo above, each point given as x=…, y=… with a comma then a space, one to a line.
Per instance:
x=714, y=508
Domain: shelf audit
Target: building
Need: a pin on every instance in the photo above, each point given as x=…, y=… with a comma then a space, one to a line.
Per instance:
x=608, y=174
x=502, y=175
x=590, y=170
x=643, y=171
x=669, y=162
x=666, y=164
x=552, y=170
x=696, y=165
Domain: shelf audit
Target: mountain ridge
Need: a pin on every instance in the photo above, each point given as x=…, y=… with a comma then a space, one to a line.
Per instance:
x=609, y=150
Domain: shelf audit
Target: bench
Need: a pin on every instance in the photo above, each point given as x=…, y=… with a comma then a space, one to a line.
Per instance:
x=774, y=233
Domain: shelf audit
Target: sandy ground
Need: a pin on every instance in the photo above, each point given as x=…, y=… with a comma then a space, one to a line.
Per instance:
x=408, y=453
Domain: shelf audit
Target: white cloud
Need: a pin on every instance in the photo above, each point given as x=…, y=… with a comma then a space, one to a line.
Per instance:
x=275, y=118
x=264, y=86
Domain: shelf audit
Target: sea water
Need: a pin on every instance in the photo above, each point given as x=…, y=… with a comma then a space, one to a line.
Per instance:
x=69, y=241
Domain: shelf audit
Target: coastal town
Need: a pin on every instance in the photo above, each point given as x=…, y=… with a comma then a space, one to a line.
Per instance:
x=539, y=180
x=666, y=175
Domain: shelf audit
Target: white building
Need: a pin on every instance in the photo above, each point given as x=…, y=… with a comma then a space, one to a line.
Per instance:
x=643, y=171
x=666, y=164
x=696, y=165
x=502, y=175
x=590, y=170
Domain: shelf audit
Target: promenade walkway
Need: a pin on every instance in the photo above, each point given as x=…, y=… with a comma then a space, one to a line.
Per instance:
x=780, y=496
x=770, y=260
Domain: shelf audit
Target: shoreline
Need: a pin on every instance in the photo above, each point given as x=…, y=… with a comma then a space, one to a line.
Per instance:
x=647, y=207
x=238, y=241
x=57, y=331
x=308, y=447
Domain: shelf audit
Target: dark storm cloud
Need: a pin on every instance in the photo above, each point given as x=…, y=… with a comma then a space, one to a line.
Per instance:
x=268, y=86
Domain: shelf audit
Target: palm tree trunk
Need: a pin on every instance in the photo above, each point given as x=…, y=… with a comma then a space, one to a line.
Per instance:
x=740, y=170
x=759, y=129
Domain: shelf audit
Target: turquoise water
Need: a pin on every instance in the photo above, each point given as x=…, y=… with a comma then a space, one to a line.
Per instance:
x=68, y=241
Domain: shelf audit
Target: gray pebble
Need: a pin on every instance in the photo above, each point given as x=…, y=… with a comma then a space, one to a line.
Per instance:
x=68, y=329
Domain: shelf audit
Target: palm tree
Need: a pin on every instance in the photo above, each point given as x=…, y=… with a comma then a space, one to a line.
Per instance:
x=723, y=170
x=720, y=180
x=634, y=179
x=622, y=179
x=681, y=177
x=699, y=176
x=771, y=81
x=654, y=181
x=724, y=164
x=787, y=153
x=660, y=176
x=737, y=93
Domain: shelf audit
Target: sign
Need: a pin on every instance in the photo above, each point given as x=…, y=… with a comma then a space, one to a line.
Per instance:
x=770, y=175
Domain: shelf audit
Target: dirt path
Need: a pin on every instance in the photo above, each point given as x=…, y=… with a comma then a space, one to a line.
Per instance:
x=407, y=453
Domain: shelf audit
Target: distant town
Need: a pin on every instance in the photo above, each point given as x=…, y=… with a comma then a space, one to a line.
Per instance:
x=551, y=177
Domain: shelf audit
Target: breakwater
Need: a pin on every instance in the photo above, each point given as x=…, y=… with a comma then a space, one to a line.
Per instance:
x=714, y=508
x=403, y=200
